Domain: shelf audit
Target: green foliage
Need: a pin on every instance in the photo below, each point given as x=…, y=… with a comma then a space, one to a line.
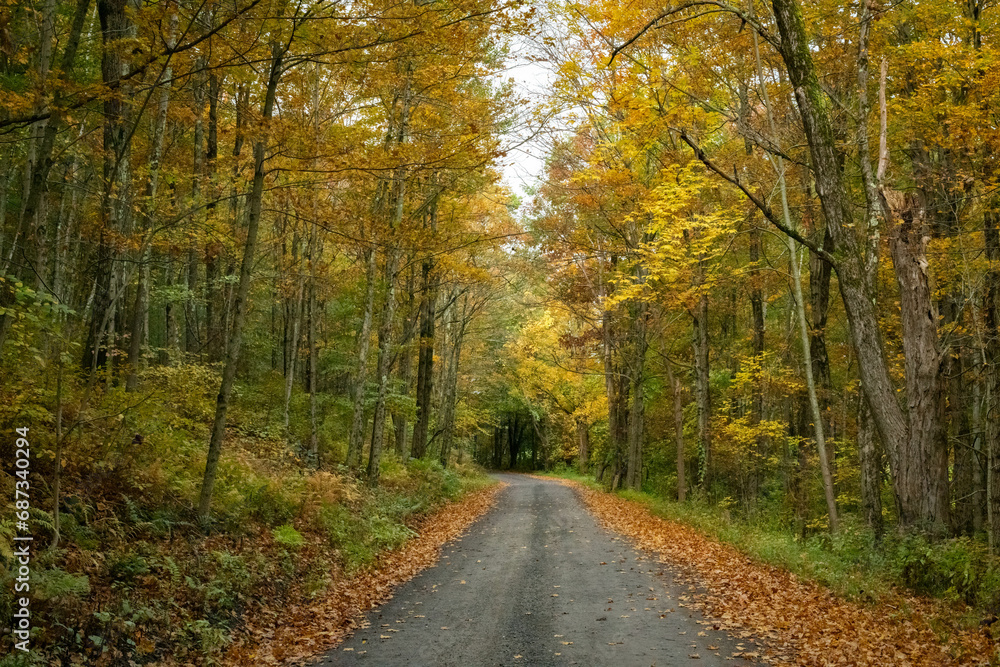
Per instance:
x=55, y=583
x=20, y=659
x=126, y=508
x=287, y=536
x=190, y=391
x=269, y=504
x=358, y=537
x=959, y=568
x=234, y=577
x=126, y=567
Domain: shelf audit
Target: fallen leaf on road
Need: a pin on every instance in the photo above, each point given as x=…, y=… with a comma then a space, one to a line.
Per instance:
x=803, y=622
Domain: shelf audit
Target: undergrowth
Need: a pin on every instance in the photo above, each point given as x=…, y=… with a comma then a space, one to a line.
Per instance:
x=136, y=579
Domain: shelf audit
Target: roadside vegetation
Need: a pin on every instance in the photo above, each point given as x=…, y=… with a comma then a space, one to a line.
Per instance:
x=136, y=578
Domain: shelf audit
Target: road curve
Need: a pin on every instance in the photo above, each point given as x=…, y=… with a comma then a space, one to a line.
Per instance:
x=536, y=581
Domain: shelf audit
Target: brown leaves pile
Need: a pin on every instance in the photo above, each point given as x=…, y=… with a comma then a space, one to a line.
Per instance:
x=302, y=630
x=801, y=622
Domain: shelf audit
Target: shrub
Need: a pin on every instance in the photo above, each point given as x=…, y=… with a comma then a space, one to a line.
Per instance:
x=959, y=568
x=269, y=504
x=124, y=568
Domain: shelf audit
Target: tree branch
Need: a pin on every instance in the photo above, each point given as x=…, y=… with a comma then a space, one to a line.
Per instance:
x=670, y=11
x=757, y=201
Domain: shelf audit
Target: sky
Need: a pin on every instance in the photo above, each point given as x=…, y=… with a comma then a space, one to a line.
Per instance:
x=524, y=164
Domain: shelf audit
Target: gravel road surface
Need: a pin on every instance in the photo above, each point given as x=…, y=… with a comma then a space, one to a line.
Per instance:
x=536, y=581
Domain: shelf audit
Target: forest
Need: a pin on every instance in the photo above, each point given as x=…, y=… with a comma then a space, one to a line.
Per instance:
x=269, y=301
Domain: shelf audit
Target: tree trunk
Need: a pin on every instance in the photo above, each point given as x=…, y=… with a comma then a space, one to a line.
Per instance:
x=922, y=474
x=243, y=290
x=871, y=468
x=425, y=360
x=450, y=379
x=214, y=331
x=816, y=411
x=991, y=318
x=356, y=440
x=583, y=444
x=116, y=201
x=702, y=391
x=637, y=411
x=617, y=390
x=312, y=454
x=383, y=364
x=140, y=312
x=907, y=447
x=978, y=499
x=39, y=167
x=290, y=374
x=962, y=487
x=819, y=296
x=404, y=368
x=191, y=342
x=675, y=386
x=57, y=463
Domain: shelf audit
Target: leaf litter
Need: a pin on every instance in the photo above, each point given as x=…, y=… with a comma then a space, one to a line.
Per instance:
x=800, y=622
x=301, y=631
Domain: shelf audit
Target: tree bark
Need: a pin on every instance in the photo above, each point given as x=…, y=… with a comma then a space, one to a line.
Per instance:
x=37, y=173
x=243, y=290
x=922, y=474
x=140, y=311
x=583, y=445
x=290, y=374
x=312, y=453
x=425, y=360
x=383, y=365
x=116, y=202
x=214, y=319
x=871, y=469
x=675, y=387
x=702, y=389
x=637, y=410
x=355, y=442
x=404, y=369
x=450, y=378
x=991, y=318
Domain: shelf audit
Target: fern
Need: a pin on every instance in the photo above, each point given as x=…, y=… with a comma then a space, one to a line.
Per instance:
x=40, y=517
x=175, y=572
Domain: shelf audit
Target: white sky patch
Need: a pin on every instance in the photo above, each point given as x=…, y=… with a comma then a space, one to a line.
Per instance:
x=524, y=165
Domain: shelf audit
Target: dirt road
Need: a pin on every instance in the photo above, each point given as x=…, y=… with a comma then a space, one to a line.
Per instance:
x=537, y=581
